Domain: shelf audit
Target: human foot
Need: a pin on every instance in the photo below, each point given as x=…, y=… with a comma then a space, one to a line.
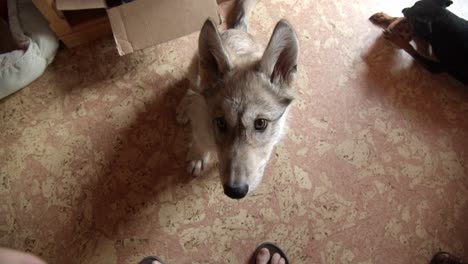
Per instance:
x=268, y=252
x=264, y=256
x=151, y=260
x=445, y=258
x=17, y=257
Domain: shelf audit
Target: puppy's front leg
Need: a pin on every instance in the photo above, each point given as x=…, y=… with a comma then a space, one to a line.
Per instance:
x=193, y=109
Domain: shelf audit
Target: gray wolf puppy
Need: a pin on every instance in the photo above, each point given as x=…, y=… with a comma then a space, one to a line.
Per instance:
x=238, y=101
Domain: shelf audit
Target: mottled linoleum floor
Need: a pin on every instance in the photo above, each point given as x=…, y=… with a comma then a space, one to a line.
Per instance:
x=372, y=170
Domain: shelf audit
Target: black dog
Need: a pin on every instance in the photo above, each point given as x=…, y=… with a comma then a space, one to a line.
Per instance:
x=444, y=31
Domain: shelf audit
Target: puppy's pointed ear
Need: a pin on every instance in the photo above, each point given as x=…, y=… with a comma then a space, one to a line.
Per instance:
x=279, y=61
x=214, y=60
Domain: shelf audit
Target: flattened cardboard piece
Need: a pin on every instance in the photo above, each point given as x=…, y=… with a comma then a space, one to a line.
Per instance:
x=143, y=23
x=79, y=4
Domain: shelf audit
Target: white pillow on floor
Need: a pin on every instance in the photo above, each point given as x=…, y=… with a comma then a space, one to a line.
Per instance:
x=36, y=47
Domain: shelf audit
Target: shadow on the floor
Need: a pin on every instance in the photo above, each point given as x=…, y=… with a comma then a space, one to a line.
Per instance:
x=382, y=60
x=92, y=63
x=406, y=85
x=148, y=159
x=422, y=98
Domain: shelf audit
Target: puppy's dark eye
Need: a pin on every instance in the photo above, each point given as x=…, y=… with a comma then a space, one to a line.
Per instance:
x=221, y=124
x=260, y=124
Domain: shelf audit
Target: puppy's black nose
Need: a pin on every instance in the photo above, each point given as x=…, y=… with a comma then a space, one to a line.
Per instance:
x=404, y=10
x=236, y=191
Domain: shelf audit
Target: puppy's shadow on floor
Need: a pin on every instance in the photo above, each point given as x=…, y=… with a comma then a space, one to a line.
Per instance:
x=147, y=158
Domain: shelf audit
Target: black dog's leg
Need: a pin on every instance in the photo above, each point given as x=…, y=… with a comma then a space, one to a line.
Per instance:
x=397, y=39
x=422, y=47
x=430, y=65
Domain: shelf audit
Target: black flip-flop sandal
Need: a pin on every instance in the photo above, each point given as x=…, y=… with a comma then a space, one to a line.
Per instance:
x=150, y=259
x=272, y=248
x=445, y=258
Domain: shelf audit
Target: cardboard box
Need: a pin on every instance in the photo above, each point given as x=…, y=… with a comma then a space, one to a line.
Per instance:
x=144, y=23
x=80, y=4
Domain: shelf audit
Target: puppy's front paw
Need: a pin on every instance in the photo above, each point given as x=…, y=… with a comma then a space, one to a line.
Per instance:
x=197, y=162
x=195, y=167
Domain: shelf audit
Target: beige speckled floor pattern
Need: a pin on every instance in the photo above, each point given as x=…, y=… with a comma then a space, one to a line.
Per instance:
x=372, y=170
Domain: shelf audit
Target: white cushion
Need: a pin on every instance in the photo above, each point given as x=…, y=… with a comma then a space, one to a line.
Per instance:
x=36, y=44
